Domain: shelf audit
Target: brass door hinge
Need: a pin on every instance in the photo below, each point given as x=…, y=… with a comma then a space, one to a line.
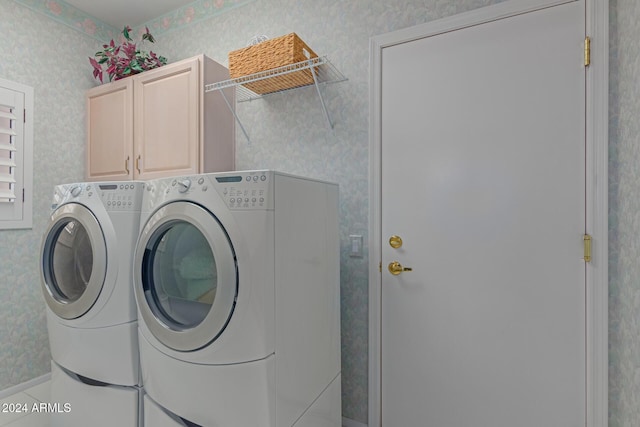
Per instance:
x=587, y=51
x=587, y=248
x=380, y=267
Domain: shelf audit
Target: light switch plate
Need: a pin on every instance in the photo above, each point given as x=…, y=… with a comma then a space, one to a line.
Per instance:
x=355, y=249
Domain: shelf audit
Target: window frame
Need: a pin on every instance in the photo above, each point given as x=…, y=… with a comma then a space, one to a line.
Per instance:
x=21, y=217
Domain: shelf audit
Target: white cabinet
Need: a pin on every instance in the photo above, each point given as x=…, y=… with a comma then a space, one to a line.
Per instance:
x=160, y=123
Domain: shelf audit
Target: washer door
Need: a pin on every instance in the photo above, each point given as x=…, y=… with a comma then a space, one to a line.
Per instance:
x=74, y=261
x=186, y=276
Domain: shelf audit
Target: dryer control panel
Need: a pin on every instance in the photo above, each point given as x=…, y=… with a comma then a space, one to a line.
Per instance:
x=246, y=190
x=241, y=190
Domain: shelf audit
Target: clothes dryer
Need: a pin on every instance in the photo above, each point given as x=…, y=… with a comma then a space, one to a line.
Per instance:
x=236, y=278
x=86, y=261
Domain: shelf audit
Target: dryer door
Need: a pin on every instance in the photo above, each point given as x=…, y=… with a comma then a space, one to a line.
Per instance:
x=186, y=277
x=74, y=261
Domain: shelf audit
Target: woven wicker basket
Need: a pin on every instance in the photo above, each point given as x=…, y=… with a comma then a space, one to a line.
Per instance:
x=270, y=54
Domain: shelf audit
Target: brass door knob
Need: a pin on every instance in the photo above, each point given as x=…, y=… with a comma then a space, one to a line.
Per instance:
x=395, y=242
x=396, y=268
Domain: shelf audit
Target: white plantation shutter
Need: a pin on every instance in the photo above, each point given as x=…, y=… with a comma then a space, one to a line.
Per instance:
x=8, y=149
x=16, y=141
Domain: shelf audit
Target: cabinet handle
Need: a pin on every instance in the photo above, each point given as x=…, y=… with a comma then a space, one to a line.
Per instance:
x=138, y=163
x=126, y=165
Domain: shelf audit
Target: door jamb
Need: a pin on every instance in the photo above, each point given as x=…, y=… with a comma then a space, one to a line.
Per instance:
x=597, y=96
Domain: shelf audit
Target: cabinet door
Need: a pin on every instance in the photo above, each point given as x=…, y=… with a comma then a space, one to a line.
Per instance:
x=110, y=131
x=166, y=108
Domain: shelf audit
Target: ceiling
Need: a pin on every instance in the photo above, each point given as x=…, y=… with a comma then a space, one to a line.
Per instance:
x=119, y=13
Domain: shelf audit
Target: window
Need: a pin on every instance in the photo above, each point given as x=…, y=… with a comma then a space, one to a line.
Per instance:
x=16, y=155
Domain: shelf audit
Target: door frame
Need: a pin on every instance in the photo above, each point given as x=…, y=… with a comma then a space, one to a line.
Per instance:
x=597, y=99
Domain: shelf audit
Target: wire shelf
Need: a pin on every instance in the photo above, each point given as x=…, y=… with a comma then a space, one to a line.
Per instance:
x=323, y=70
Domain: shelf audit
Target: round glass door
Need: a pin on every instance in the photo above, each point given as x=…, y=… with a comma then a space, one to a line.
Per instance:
x=73, y=261
x=186, y=276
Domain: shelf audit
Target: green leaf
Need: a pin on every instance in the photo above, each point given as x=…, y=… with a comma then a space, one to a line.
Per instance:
x=135, y=65
x=125, y=32
x=148, y=37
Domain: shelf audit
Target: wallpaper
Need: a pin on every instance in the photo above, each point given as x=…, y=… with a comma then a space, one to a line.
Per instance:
x=51, y=58
x=289, y=133
x=73, y=17
x=624, y=214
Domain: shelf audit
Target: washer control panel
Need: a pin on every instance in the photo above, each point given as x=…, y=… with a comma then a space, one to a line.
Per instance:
x=115, y=196
x=120, y=196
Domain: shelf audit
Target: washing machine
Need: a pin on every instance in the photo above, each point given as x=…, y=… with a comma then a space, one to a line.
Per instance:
x=86, y=275
x=236, y=278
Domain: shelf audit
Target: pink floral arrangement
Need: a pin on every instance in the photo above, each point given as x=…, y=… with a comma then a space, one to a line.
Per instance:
x=125, y=59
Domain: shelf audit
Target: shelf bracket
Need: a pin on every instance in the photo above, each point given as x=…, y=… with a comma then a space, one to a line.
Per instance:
x=235, y=115
x=324, y=107
x=322, y=70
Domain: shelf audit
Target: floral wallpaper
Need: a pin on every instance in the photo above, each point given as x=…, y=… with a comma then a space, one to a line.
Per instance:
x=73, y=17
x=624, y=214
x=192, y=13
x=51, y=58
x=289, y=133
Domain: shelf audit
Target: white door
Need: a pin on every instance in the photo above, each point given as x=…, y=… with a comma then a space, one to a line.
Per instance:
x=483, y=179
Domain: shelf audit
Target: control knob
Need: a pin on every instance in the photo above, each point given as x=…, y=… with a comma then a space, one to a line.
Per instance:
x=184, y=185
x=76, y=190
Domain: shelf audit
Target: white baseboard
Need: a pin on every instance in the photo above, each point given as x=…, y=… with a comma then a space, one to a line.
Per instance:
x=346, y=422
x=25, y=385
